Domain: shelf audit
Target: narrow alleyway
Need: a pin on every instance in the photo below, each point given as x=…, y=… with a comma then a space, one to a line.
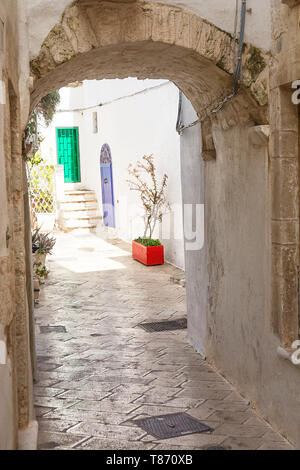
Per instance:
x=98, y=370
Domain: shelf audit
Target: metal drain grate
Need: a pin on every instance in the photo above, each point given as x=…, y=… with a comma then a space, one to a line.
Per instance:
x=173, y=425
x=52, y=329
x=171, y=325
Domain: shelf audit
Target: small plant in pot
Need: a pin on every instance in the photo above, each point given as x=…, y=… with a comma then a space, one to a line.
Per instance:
x=42, y=245
x=153, y=197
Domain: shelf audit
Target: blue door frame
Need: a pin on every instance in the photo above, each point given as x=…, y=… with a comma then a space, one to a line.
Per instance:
x=107, y=185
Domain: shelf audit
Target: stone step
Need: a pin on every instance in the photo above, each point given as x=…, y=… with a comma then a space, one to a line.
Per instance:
x=79, y=197
x=75, y=192
x=80, y=223
x=82, y=214
x=79, y=205
x=79, y=210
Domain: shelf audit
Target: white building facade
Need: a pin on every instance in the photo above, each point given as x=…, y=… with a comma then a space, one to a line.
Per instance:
x=127, y=119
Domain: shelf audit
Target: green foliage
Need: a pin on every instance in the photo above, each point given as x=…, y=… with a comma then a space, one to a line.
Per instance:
x=32, y=138
x=148, y=242
x=48, y=106
x=46, y=243
x=45, y=109
x=255, y=62
x=40, y=270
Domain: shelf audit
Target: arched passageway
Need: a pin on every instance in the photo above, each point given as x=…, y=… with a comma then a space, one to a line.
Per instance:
x=97, y=40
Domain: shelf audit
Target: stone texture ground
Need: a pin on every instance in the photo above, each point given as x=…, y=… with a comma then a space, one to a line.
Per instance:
x=105, y=371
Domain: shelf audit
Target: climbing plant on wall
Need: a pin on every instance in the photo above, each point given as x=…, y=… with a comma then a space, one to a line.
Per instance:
x=45, y=110
x=40, y=175
x=41, y=183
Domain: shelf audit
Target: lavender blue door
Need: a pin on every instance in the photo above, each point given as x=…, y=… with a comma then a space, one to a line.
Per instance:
x=107, y=185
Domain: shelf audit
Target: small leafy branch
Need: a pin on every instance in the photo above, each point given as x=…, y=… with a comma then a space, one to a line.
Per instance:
x=42, y=243
x=45, y=109
x=152, y=193
x=40, y=270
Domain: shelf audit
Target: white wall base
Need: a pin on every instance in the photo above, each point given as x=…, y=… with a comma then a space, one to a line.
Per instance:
x=28, y=438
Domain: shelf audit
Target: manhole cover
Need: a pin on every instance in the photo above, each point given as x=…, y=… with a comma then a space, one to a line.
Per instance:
x=52, y=329
x=171, y=325
x=173, y=425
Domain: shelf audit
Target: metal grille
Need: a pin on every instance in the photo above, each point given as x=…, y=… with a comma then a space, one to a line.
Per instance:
x=180, y=324
x=68, y=153
x=173, y=425
x=52, y=329
x=41, y=182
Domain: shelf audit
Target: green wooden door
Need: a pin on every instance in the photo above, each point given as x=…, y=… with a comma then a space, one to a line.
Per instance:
x=68, y=153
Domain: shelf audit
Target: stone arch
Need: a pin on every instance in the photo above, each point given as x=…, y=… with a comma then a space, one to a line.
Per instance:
x=99, y=39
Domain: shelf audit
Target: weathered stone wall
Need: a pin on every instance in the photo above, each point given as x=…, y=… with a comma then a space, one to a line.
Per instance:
x=240, y=340
x=106, y=40
x=15, y=374
x=251, y=196
x=43, y=15
x=9, y=74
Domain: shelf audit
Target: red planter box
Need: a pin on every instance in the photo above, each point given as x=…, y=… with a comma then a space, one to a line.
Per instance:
x=148, y=255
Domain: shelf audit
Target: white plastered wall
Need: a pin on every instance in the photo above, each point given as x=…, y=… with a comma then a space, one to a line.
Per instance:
x=132, y=126
x=43, y=15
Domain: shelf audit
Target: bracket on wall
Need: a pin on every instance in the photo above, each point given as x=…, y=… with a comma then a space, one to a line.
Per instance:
x=208, y=145
x=259, y=135
x=1, y=35
x=3, y=350
x=8, y=237
x=291, y=3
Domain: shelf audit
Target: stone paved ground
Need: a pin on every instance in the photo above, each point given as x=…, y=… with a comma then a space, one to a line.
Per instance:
x=105, y=371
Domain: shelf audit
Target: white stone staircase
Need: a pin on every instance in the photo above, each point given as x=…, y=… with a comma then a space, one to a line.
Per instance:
x=79, y=210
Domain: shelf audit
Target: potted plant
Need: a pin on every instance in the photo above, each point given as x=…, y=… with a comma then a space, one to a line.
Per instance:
x=42, y=245
x=153, y=196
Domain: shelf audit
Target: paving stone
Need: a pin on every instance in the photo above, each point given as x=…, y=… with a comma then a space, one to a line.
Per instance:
x=109, y=371
x=276, y=446
x=243, y=443
x=203, y=393
x=154, y=410
x=77, y=415
x=84, y=394
x=191, y=441
x=107, y=444
x=52, y=402
x=55, y=425
x=238, y=430
x=227, y=405
x=238, y=417
x=108, y=431
x=42, y=411
x=56, y=440
x=47, y=392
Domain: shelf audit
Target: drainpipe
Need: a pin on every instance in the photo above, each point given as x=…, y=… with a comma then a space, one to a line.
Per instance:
x=238, y=71
x=237, y=79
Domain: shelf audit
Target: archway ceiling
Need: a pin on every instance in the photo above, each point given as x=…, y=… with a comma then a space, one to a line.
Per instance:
x=97, y=40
